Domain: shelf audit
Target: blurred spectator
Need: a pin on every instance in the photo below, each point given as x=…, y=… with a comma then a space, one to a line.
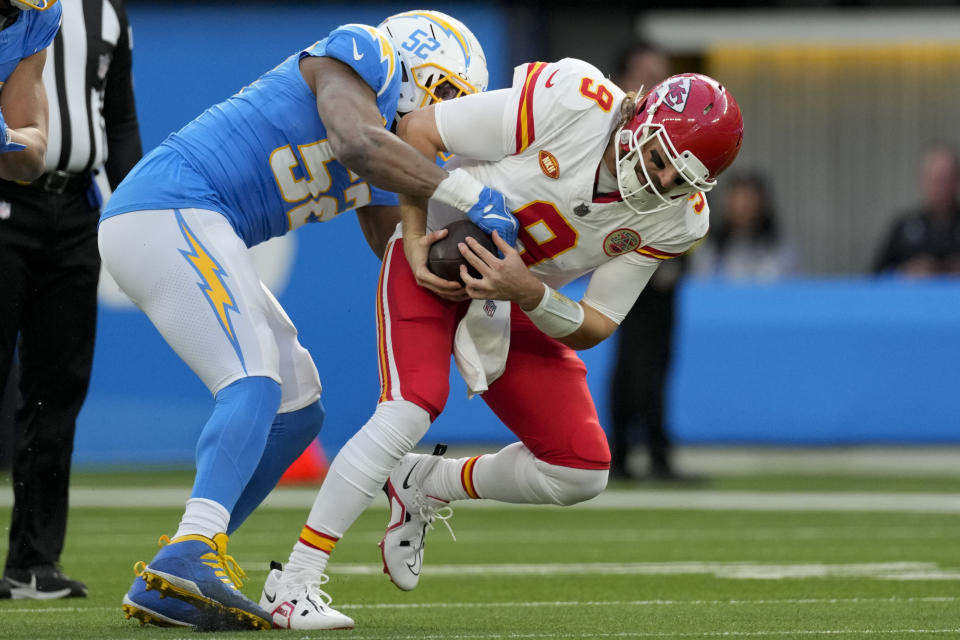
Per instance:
x=644, y=343
x=642, y=64
x=49, y=266
x=926, y=240
x=745, y=243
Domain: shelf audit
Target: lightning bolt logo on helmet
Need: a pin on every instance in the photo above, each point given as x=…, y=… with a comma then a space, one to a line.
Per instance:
x=212, y=285
x=440, y=56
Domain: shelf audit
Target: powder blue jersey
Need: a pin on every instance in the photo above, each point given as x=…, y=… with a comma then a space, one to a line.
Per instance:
x=32, y=32
x=262, y=157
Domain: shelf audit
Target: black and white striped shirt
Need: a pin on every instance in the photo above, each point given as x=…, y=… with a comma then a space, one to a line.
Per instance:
x=93, y=118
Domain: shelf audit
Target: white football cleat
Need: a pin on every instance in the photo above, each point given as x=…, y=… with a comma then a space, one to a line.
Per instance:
x=296, y=601
x=411, y=515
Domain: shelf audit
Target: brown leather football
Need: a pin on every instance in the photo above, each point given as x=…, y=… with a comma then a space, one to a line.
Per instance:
x=445, y=259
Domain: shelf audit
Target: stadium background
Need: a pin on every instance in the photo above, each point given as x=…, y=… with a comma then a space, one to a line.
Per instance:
x=839, y=100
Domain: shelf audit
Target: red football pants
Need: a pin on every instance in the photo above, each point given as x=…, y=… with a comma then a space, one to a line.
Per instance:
x=542, y=396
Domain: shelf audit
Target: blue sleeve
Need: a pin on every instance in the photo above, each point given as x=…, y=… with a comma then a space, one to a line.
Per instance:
x=383, y=198
x=43, y=29
x=366, y=51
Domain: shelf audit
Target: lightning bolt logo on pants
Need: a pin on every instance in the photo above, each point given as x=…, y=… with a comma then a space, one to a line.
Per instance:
x=213, y=286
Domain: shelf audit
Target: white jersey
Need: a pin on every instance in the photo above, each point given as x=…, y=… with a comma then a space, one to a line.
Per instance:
x=558, y=121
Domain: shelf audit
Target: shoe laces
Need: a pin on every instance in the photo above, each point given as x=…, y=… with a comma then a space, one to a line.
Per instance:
x=226, y=562
x=140, y=565
x=429, y=511
x=311, y=584
x=234, y=572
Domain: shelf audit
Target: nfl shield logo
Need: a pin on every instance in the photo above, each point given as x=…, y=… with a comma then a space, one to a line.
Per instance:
x=489, y=308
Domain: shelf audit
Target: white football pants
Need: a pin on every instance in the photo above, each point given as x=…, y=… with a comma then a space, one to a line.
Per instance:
x=195, y=279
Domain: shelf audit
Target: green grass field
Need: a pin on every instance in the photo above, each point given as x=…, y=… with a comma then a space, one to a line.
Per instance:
x=532, y=573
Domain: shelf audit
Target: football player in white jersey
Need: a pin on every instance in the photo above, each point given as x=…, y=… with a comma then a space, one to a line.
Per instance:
x=602, y=183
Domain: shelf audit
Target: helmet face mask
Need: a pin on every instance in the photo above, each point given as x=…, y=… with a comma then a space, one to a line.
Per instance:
x=693, y=123
x=643, y=196
x=441, y=59
x=438, y=84
x=30, y=5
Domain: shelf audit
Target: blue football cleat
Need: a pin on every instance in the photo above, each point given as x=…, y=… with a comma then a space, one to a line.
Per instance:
x=149, y=607
x=198, y=571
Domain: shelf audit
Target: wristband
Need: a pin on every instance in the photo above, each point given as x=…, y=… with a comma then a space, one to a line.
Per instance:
x=556, y=315
x=459, y=189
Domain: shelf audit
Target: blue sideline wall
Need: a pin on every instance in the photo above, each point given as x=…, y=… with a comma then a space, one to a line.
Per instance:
x=807, y=362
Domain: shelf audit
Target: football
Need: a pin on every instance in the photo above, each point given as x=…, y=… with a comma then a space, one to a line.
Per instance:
x=445, y=259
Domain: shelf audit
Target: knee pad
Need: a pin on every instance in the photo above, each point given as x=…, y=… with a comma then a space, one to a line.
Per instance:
x=394, y=429
x=568, y=486
x=400, y=424
x=300, y=425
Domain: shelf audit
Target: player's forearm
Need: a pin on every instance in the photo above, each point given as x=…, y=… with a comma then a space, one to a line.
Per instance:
x=413, y=216
x=385, y=161
x=581, y=339
x=592, y=328
x=26, y=165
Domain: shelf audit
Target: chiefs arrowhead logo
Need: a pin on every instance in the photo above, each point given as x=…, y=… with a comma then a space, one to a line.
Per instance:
x=675, y=94
x=549, y=165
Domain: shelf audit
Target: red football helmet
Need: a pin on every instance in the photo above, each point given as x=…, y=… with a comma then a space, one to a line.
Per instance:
x=698, y=124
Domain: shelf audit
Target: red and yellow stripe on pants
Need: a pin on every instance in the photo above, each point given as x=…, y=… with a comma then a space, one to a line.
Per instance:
x=466, y=477
x=316, y=540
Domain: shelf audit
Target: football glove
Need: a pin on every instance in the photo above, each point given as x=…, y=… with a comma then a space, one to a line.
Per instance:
x=485, y=207
x=6, y=141
x=490, y=213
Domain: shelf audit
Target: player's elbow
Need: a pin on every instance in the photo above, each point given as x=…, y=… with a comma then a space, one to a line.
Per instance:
x=359, y=149
x=418, y=129
x=581, y=340
x=405, y=126
x=588, y=336
x=352, y=152
x=596, y=328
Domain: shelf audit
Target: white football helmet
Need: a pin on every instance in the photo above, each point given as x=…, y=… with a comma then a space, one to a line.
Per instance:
x=30, y=5
x=440, y=58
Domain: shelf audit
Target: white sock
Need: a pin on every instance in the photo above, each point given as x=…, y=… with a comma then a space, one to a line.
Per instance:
x=452, y=479
x=203, y=517
x=514, y=475
x=355, y=477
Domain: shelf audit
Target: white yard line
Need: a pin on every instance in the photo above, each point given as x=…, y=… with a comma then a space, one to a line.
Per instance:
x=848, y=501
x=916, y=461
x=899, y=571
x=663, y=634
x=571, y=603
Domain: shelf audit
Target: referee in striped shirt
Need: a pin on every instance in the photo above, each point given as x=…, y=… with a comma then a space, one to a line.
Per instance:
x=49, y=267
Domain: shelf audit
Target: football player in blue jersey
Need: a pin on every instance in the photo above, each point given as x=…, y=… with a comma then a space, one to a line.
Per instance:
x=305, y=142
x=29, y=27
